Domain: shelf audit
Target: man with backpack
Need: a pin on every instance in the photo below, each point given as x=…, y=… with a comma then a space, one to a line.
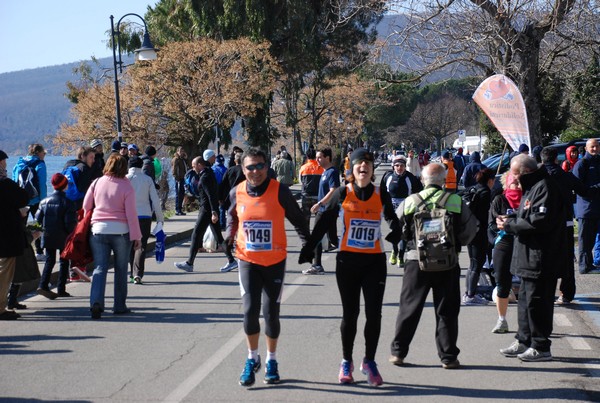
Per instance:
x=435, y=224
x=30, y=174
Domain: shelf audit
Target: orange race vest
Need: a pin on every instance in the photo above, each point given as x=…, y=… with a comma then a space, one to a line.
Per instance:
x=451, y=182
x=362, y=223
x=261, y=235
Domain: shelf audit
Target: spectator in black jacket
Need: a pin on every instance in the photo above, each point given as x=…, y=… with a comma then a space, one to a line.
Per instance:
x=208, y=213
x=539, y=229
x=99, y=163
x=474, y=166
x=12, y=236
x=478, y=247
x=57, y=214
x=570, y=186
x=148, y=167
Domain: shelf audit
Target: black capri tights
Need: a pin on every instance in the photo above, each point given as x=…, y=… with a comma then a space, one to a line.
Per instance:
x=257, y=281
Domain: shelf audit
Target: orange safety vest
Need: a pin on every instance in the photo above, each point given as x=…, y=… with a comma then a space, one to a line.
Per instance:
x=261, y=235
x=362, y=223
x=451, y=182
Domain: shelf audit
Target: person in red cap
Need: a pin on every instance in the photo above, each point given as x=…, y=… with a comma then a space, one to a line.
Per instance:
x=57, y=215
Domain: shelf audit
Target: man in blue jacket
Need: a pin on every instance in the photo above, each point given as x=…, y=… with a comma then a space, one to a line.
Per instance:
x=587, y=209
x=474, y=166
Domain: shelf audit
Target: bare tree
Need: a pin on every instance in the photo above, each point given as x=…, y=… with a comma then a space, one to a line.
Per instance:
x=437, y=119
x=523, y=39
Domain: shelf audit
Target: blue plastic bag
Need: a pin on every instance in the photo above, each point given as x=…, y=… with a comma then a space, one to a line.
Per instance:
x=159, y=248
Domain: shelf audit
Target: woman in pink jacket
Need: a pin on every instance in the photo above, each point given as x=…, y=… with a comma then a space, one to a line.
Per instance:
x=115, y=228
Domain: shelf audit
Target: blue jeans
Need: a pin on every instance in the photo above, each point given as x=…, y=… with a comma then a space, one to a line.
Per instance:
x=102, y=245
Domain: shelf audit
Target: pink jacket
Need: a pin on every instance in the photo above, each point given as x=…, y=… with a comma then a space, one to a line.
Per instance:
x=113, y=199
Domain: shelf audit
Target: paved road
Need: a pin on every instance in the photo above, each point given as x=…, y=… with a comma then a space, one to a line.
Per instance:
x=184, y=342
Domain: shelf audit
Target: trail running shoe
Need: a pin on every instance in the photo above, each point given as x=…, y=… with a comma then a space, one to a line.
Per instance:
x=314, y=269
x=346, y=369
x=369, y=368
x=271, y=372
x=393, y=259
x=229, y=266
x=185, y=266
x=247, y=377
x=474, y=300
x=533, y=355
x=514, y=349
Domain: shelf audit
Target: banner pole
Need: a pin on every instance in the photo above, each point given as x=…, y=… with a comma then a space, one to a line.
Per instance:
x=501, y=158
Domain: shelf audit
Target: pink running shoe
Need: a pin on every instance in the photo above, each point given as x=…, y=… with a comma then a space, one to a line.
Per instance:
x=346, y=368
x=369, y=368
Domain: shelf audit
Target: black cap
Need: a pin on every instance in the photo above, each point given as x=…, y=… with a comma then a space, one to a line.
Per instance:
x=150, y=151
x=361, y=154
x=3, y=155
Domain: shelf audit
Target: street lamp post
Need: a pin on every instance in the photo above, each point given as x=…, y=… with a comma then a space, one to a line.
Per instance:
x=146, y=52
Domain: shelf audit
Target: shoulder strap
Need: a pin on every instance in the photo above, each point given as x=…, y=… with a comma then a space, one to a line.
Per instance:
x=442, y=201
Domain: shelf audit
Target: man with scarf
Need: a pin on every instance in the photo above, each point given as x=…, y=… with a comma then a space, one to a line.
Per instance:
x=538, y=227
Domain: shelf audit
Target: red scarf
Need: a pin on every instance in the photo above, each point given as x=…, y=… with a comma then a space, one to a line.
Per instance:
x=512, y=195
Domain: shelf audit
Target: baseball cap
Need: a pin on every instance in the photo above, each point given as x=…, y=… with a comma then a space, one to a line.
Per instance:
x=361, y=154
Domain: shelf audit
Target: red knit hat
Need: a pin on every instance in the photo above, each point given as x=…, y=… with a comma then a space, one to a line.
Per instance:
x=59, y=181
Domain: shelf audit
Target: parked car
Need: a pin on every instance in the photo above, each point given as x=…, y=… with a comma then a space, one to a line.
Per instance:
x=493, y=161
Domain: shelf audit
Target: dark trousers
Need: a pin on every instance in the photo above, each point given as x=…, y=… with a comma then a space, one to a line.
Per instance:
x=477, y=254
x=179, y=195
x=356, y=272
x=567, y=283
x=535, y=310
x=332, y=233
x=202, y=223
x=137, y=259
x=446, y=301
x=502, y=256
x=63, y=273
x=588, y=228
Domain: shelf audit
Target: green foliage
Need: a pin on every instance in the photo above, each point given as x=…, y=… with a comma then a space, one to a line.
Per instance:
x=585, y=116
x=554, y=110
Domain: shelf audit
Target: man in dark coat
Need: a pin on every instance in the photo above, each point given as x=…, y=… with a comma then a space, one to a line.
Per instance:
x=539, y=227
x=98, y=167
x=570, y=186
x=12, y=236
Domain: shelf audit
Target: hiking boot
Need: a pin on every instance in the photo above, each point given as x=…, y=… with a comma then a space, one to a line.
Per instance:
x=346, y=369
x=451, y=364
x=394, y=359
x=514, y=349
x=501, y=326
x=47, y=293
x=271, y=372
x=247, y=377
x=314, y=269
x=185, y=266
x=393, y=259
x=369, y=368
x=474, y=300
x=533, y=355
x=229, y=266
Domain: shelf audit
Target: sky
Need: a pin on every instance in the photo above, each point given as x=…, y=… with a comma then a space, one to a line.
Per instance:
x=40, y=33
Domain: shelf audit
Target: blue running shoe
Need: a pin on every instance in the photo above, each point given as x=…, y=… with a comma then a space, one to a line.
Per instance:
x=271, y=373
x=247, y=377
x=369, y=368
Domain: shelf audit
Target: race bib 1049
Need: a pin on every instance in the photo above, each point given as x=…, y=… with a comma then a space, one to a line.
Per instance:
x=259, y=235
x=363, y=234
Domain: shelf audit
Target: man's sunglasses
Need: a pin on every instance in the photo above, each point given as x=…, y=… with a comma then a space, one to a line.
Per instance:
x=256, y=167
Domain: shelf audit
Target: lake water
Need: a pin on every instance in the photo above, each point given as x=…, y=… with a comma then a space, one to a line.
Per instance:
x=56, y=163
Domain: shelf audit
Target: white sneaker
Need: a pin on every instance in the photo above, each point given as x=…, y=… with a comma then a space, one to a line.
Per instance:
x=184, y=266
x=501, y=326
x=314, y=269
x=474, y=300
x=533, y=355
x=229, y=266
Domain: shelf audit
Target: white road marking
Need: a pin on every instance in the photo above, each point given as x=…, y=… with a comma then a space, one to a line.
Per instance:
x=206, y=368
x=578, y=343
x=560, y=319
